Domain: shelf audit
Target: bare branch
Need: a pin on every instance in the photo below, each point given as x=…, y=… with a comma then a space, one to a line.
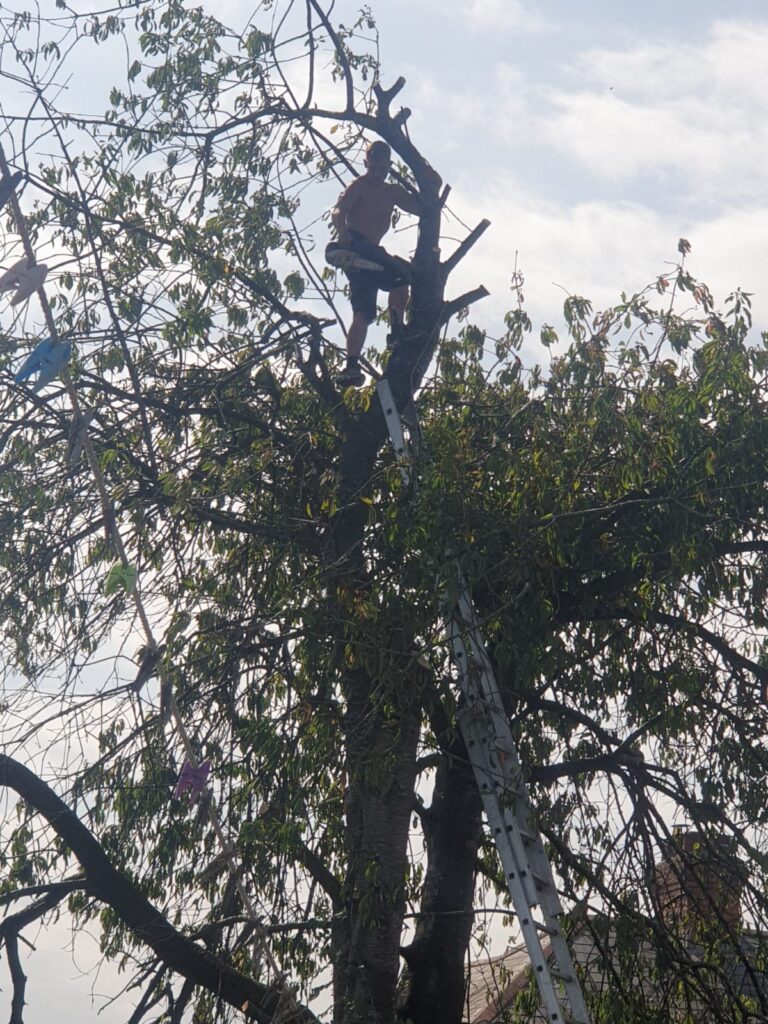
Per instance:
x=463, y=248
x=340, y=53
x=18, y=977
x=463, y=301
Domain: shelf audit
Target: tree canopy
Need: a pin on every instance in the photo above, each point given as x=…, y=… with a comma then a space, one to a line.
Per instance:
x=609, y=515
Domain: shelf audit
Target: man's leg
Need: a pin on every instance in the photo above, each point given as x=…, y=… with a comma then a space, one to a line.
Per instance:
x=356, y=335
x=362, y=293
x=398, y=300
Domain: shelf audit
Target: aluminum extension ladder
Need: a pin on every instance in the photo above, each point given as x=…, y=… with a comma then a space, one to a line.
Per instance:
x=492, y=753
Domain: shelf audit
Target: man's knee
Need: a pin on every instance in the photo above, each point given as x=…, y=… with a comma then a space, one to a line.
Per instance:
x=361, y=321
x=364, y=312
x=398, y=297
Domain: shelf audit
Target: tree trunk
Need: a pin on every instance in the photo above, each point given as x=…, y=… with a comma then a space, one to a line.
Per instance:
x=381, y=766
x=433, y=984
x=383, y=718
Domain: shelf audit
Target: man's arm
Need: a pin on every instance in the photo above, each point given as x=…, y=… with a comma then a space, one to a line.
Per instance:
x=346, y=201
x=409, y=201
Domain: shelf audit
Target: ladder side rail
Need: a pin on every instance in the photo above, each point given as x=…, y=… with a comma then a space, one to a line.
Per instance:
x=518, y=820
x=521, y=850
x=566, y=974
x=518, y=814
x=475, y=733
x=503, y=791
x=507, y=803
x=394, y=426
x=491, y=744
x=468, y=616
x=518, y=886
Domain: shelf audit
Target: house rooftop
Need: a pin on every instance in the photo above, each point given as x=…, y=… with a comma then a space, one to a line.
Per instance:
x=494, y=982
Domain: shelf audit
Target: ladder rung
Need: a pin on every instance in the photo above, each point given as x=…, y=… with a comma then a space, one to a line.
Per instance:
x=565, y=978
x=499, y=775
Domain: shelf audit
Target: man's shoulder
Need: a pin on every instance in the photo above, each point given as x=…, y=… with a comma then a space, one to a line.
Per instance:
x=396, y=190
x=358, y=184
x=353, y=188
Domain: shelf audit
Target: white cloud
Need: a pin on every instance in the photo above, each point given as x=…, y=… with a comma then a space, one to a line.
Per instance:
x=502, y=15
x=598, y=250
x=483, y=16
x=694, y=112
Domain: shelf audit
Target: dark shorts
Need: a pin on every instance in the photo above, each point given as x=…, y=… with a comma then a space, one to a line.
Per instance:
x=364, y=285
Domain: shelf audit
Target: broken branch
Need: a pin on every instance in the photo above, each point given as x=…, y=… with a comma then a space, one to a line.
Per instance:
x=463, y=301
x=464, y=247
x=385, y=96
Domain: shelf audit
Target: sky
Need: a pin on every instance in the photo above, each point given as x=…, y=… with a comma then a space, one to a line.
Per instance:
x=592, y=135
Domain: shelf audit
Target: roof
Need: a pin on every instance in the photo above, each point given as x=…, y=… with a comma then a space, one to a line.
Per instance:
x=494, y=982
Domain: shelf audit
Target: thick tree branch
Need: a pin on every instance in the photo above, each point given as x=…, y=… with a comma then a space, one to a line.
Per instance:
x=385, y=96
x=257, y=1001
x=18, y=978
x=15, y=922
x=60, y=889
x=579, y=766
x=182, y=1001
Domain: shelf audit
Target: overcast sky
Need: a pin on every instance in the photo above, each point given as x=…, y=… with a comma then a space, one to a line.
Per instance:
x=593, y=136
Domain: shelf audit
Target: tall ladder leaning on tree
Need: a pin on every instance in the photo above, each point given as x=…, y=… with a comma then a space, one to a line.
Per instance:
x=498, y=772
x=286, y=1008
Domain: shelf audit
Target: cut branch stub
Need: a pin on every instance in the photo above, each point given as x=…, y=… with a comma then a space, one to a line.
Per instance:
x=463, y=248
x=385, y=96
x=462, y=301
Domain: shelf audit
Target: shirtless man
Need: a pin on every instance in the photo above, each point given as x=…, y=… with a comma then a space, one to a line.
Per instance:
x=362, y=217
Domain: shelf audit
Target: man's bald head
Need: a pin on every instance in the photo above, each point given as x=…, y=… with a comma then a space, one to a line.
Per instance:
x=378, y=157
x=379, y=150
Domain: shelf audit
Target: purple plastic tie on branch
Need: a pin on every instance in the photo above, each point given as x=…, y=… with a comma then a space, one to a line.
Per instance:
x=192, y=780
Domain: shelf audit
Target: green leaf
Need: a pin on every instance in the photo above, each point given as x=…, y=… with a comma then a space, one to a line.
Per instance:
x=120, y=577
